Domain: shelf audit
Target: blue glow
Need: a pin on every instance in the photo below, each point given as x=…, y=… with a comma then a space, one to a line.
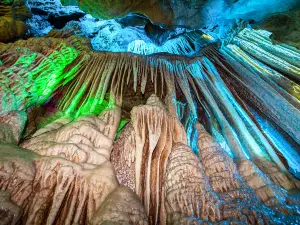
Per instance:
x=258, y=10
x=289, y=152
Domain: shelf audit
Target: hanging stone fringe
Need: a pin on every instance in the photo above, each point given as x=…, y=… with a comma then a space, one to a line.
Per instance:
x=249, y=68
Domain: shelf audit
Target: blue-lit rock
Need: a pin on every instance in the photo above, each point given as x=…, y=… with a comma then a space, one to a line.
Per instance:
x=39, y=26
x=50, y=14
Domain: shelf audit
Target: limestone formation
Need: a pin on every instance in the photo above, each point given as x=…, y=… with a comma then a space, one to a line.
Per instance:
x=13, y=13
x=85, y=140
x=12, y=125
x=51, y=189
x=233, y=182
x=186, y=188
x=10, y=213
x=180, y=133
x=122, y=206
x=143, y=149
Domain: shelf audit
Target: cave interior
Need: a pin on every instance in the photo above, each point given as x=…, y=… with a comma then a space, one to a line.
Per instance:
x=106, y=105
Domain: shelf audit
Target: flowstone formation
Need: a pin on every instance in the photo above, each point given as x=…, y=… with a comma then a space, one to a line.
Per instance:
x=13, y=14
x=129, y=122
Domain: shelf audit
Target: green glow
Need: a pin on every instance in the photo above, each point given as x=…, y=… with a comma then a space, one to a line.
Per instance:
x=34, y=77
x=75, y=101
x=50, y=72
x=92, y=105
x=121, y=126
x=26, y=60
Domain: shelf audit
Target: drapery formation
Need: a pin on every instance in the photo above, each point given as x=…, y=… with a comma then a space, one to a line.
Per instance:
x=246, y=153
x=238, y=87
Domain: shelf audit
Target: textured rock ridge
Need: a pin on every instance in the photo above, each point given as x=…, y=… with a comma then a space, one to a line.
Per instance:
x=187, y=190
x=85, y=140
x=235, y=184
x=13, y=13
x=10, y=213
x=54, y=190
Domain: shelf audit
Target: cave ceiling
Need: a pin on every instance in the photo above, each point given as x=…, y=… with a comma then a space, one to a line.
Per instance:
x=188, y=13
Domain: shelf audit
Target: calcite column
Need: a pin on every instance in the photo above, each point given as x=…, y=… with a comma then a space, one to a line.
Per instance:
x=140, y=154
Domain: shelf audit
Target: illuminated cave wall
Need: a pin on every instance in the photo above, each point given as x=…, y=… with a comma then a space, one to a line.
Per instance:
x=111, y=116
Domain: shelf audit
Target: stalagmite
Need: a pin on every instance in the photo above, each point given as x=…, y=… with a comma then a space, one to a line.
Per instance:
x=122, y=138
x=285, y=181
x=186, y=187
x=122, y=206
x=144, y=147
x=232, y=182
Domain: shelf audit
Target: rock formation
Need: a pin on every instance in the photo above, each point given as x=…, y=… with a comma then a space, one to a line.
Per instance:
x=13, y=13
x=122, y=206
x=188, y=129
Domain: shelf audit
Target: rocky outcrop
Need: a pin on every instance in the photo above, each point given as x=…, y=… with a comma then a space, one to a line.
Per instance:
x=234, y=184
x=51, y=14
x=13, y=13
x=164, y=12
x=284, y=28
x=191, y=13
x=84, y=140
x=12, y=125
x=51, y=189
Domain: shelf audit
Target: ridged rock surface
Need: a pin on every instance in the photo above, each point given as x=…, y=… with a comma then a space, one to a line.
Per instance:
x=85, y=140
x=140, y=154
x=186, y=187
x=122, y=206
x=52, y=190
x=13, y=13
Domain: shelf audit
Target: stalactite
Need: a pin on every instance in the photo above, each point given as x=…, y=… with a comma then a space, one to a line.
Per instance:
x=196, y=71
x=176, y=46
x=255, y=141
x=287, y=150
x=269, y=58
x=29, y=71
x=245, y=99
x=282, y=113
x=268, y=74
x=255, y=36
